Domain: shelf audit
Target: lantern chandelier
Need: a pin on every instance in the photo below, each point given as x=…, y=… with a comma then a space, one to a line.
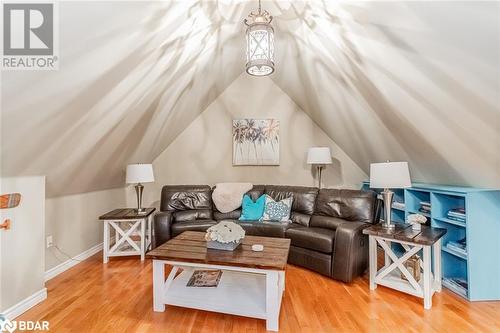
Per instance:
x=260, y=43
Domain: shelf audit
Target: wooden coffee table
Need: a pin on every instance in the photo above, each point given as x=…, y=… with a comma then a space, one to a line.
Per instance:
x=251, y=285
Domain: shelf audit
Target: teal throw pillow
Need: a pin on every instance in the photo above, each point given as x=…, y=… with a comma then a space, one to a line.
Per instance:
x=252, y=211
x=278, y=211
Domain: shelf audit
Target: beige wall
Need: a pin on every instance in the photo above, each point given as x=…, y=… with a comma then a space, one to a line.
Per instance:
x=73, y=222
x=22, y=247
x=202, y=154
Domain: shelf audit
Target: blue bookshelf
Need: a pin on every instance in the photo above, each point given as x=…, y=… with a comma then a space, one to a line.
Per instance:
x=479, y=266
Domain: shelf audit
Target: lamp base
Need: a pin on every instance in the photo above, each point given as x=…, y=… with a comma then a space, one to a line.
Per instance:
x=388, y=226
x=320, y=171
x=387, y=195
x=138, y=192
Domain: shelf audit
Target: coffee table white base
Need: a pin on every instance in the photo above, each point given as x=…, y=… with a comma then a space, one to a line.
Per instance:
x=123, y=244
x=389, y=275
x=248, y=292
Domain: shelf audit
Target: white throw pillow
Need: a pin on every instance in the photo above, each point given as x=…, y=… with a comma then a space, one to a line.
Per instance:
x=277, y=211
x=228, y=196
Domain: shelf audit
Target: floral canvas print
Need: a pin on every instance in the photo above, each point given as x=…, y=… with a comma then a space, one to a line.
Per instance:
x=256, y=142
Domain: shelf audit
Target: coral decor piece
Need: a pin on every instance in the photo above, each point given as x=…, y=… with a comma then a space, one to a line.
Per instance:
x=225, y=232
x=416, y=220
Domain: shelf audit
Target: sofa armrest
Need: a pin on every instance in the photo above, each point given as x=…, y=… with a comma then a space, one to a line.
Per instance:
x=350, y=253
x=162, y=228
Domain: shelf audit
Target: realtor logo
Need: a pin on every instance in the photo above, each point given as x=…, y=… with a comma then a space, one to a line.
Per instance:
x=29, y=36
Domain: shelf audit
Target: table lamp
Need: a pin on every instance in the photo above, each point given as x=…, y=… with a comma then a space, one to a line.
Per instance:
x=138, y=174
x=389, y=175
x=319, y=156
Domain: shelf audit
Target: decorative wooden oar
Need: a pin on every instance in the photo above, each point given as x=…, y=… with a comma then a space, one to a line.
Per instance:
x=5, y=225
x=10, y=200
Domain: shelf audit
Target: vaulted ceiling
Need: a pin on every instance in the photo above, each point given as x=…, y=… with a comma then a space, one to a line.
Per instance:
x=416, y=81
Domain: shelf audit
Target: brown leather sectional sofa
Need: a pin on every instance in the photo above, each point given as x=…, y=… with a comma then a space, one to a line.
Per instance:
x=325, y=232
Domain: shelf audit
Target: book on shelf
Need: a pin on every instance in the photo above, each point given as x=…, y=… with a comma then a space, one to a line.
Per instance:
x=205, y=278
x=424, y=210
x=458, y=219
x=400, y=205
x=457, y=214
x=457, y=249
x=457, y=285
x=462, y=243
x=425, y=207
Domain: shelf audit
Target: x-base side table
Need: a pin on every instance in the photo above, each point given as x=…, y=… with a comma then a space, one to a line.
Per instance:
x=412, y=241
x=126, y=223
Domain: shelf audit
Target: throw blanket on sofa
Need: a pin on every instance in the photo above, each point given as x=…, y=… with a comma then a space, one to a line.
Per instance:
x=228, y=196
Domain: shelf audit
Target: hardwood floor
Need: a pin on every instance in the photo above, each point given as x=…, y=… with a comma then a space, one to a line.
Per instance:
x=117, y=297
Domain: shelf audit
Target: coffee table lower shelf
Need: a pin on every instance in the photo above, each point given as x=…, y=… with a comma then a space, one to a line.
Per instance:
x=241, y=291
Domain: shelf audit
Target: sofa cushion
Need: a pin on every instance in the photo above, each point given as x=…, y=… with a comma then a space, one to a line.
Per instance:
x=266, y=229
x=192, y=214
x=194, y=225
x=350, y=205
x=278, y=211
x=185, y=197
x=254, y=194
x=234, y=215
x=252, y=210
x=228, y=196
x=327, y=222
x=304, y=199
x=318, y=239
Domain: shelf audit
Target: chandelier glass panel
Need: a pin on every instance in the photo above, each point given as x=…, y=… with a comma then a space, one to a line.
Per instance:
x=260, y=43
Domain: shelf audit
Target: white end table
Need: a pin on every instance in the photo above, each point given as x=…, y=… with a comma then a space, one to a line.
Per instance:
x=428, y=240
x=127, y=222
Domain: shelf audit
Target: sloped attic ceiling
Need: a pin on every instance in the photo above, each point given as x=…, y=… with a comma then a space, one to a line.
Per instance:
x=132, y=76
x=397, y=80
x=414, y=81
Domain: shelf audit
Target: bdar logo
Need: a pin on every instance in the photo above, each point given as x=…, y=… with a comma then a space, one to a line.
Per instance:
x=7, y=325
x=28, y=29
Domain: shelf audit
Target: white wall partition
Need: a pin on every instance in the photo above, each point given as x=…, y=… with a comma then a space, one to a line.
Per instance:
x=22, y=247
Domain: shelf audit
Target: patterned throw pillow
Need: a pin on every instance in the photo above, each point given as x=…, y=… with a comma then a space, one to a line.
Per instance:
x=277, y=211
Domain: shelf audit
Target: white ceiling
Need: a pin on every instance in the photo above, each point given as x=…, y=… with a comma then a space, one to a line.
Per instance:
x=416, y=81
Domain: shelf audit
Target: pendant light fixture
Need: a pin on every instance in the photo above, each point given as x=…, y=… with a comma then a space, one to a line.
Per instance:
x=260, y=43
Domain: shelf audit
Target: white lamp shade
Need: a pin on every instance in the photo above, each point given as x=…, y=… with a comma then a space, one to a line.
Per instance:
x=139, y=173
x=390, y=175
x=319, y=155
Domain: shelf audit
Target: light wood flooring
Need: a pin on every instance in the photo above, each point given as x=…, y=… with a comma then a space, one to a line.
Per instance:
x=117, y=297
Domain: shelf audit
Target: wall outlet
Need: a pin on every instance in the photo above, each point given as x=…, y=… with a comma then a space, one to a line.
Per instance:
x=50, y=242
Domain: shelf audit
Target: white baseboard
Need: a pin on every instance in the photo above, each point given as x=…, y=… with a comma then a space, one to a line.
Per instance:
x=26, y=304
x=53, y=272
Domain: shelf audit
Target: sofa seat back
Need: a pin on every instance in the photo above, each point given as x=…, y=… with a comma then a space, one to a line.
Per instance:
x=187, y=202
x=334, y=206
